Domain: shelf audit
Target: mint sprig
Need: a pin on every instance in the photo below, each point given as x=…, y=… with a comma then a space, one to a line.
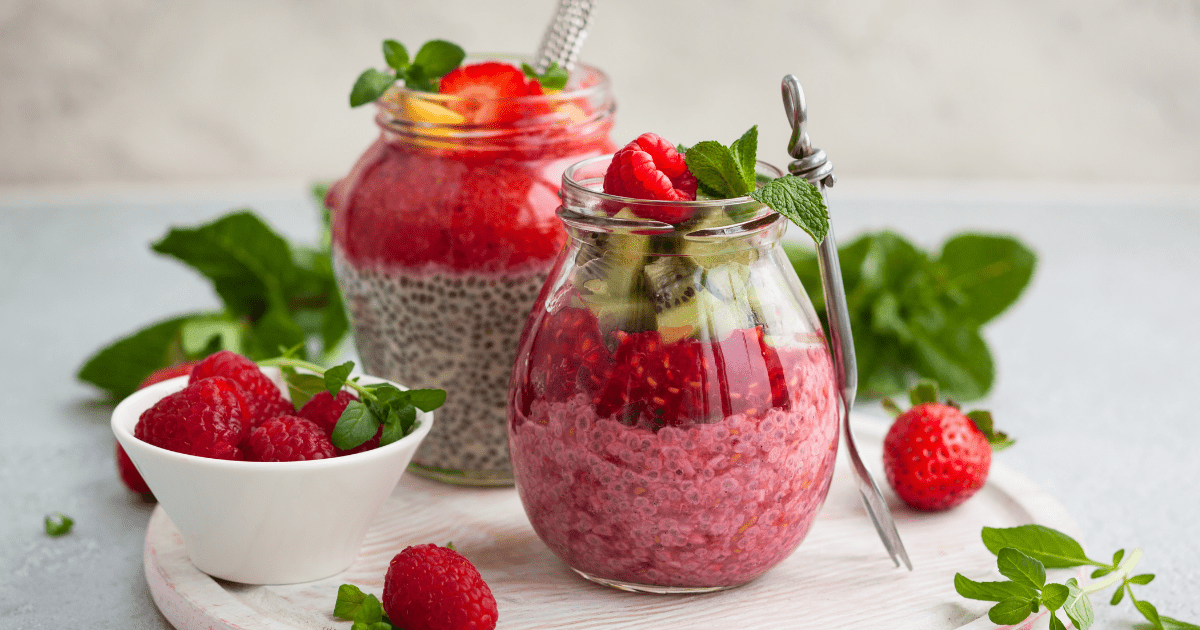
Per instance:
x=919, y=313
x=1023, y=554
x=379, y=405
x=363, y=609
x=434, y=60
x=58, y=524
x=274, y=294
x=727, y=172
x=554, y=78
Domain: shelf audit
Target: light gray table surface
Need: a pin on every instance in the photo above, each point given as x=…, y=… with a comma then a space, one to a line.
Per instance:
x=1097, y=369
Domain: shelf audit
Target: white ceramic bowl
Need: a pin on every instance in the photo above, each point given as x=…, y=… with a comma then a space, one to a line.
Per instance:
x=266, y=522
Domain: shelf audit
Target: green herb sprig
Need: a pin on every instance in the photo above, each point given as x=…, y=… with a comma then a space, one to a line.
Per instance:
x=726, y=172
x=274, y=294
x=363, y=609
x=554, y=78
x=915, y=314
x=379, y=404
x=434, y=60
x=1024, y=553
x=58, y=524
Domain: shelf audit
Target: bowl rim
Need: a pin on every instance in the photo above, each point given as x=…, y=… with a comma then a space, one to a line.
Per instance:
x=123, y=420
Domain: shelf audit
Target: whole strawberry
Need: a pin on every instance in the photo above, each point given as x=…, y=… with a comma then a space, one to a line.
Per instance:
x=263, y=398
x=206, y=419
x=934, y=455
x=434, y=588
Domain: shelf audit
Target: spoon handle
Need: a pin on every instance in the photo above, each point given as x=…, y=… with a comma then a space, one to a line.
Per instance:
x=564, y=35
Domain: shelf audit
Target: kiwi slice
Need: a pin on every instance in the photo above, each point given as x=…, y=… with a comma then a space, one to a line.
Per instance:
x=685, y=306
x=613, y=287
x=714, y=251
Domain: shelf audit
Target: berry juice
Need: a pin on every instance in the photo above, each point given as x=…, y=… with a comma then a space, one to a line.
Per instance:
x=443, y=233
x=673, y=417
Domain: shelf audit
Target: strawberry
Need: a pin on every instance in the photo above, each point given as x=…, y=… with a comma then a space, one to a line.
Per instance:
x=650, y=168
x=478, y=87
x=934, y=455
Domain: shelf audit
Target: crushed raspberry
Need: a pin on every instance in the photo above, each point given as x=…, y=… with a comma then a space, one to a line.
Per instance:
x=435, y=588
x=288, y=439
x=650, y=168
x=130, y=475
x=569, y=354
x=206, y=419
x=325, y=410
x=263, y=398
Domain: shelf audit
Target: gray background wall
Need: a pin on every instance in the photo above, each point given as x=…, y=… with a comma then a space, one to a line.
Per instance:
x=1054, y=90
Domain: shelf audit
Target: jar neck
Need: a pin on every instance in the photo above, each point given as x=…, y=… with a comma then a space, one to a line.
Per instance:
x=560, y=123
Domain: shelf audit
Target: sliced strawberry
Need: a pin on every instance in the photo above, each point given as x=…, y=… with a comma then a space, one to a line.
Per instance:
x=650, y=168
x=479, y=86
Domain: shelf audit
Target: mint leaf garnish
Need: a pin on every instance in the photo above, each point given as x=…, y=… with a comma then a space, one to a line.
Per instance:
x=369, y=86
x=427, y=399
x=716, y=169
x=1011, y=611
x=554, y=78
x=1055, y=595
x=396, y=55
x=122, y=366
x=361, y=608
x=335, y=377
x=1051, y=547
x=745, y=150
x=1020, y=568
x=357, y=425
x=58, y=524
x=435, y=59
x=991, y=591
x=438, y=57
x=799, y=201
x=349, y=599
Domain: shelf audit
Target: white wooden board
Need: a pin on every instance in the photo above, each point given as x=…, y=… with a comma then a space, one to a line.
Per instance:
x=840, y=577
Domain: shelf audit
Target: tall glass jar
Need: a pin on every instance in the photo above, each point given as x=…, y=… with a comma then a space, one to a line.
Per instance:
x=443, y=234
x=673, y=414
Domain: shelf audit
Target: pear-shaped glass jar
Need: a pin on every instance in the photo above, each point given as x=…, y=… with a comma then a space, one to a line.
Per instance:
x=673, y=418
x=443, y=233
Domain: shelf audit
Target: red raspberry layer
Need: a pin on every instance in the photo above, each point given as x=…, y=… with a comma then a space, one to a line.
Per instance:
x=435, y=588
x=288, y=439
x=206, y=419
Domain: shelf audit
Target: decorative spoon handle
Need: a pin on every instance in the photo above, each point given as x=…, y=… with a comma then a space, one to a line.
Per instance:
x=814, y=166
x=564, y=35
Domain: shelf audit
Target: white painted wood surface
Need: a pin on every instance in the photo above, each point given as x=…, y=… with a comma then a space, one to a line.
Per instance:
x=840, y=577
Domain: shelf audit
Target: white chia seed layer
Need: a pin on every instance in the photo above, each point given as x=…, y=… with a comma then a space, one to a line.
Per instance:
x=449, y=330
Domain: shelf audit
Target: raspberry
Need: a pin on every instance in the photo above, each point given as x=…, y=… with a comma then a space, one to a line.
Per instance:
x=206, y=419
x=325, y=410
x=130, y=475
x=650, y=168
x=935, y=457
x=263, y=399
x=434, y=588
x=288, y=439
x=167, y=373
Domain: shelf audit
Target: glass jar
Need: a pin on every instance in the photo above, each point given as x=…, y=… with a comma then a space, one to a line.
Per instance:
x=673, y=416
x=443, y=233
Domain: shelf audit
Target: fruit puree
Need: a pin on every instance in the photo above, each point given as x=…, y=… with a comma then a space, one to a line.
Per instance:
x=693, y=505
x=443, y=235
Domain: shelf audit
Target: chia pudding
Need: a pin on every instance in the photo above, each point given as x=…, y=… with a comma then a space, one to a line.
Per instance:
x=443, y=233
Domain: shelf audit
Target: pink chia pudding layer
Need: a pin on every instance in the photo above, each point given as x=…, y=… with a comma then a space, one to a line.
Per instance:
x=705, y=505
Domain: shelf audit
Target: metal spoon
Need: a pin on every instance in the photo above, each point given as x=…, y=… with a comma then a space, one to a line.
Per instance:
x=814, y=166
x=564, y=35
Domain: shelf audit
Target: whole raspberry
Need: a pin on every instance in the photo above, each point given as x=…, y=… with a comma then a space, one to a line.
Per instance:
x=205, y=418
x=288, y=439
x=434, y=588
x=130, y=475
x=935, y=456
x=263, y=399
x=325, y=410
x=167, y=373
x=650, y=168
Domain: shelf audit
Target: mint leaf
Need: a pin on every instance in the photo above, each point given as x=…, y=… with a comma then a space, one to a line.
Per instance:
x=1021, y=568
x=798, y=200
x=349, y=599
x=1149, y=612
x=302, y=387
x=427, y=399
x=1051, y=547
x=1142, y=579
x=1077, y=606
x=58, y=524
x=715, y=168
x=991, y=591
x=554, y=78
x=1055, y=595
x=437, y=58
x=399, y=423
x=1056, y=623
x=395, y=54
x=273, y=330
x=989, y=272
x=200, y=334
x=955, y=355
x=1174, y=624
x=1117, y=596
x=369, y=86
x=120, y=367
x=370, y=611
x=1010, y=611
x=415, y=78
x=356, y=425
x=745, y=150
x=335, y=377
